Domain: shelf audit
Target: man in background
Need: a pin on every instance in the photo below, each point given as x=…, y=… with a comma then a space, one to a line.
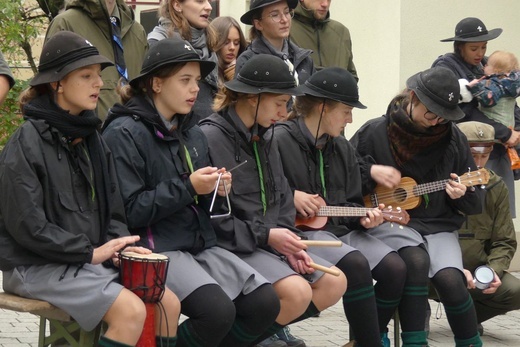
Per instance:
x=110, y=26
x=329, y=40
x=489, y=238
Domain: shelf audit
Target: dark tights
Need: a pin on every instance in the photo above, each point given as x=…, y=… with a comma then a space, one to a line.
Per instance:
x=415, y=294
x=450, y=284
x=390, y=275
x=212, y=319
x=359, y=302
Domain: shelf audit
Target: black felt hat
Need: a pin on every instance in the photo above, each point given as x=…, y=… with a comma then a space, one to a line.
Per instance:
x=438, y=89
x=247, y=18
x=63, y=53
x=473, y=30
x=264, y=73
x=171, y=50
x=333, y=83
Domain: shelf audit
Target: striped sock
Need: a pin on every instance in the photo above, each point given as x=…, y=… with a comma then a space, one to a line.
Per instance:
x=106, y=342
x=163, y=341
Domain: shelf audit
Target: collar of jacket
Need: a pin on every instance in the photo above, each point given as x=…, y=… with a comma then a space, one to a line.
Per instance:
x=97, y=11
x=305, y=16
x=297, y=54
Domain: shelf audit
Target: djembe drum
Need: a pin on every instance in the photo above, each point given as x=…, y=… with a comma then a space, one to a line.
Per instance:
x=145, y=276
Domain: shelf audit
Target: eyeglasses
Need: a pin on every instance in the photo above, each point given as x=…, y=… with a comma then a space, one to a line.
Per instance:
x=429, y=115
x=277, y=16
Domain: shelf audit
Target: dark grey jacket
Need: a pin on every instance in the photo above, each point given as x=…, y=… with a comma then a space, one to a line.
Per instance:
x=299, y=57
x=46, y=212
x=341, y=170
x=159, y=199
x=438, y=213
x=248, y=227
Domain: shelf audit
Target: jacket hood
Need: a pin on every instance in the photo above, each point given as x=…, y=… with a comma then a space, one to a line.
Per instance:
x=140, y=109
x=306, y=16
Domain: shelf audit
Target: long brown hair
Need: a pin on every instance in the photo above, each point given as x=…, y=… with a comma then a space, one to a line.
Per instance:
x=182, y=25
x=221, y=26
x=33, y=92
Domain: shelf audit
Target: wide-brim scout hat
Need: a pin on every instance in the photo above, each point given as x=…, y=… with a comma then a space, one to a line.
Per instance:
x=247, y=18
x=438, y=89
x=264, y=73
x=172, y=50
x=63, y=53
x=333, y=83
x=481, y=136
x=473, y=30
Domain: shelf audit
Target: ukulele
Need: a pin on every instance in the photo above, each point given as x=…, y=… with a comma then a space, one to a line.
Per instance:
x=408, y=193
x=319, y=221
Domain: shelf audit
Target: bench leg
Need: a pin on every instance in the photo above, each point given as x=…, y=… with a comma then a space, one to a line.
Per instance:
x=66, y=330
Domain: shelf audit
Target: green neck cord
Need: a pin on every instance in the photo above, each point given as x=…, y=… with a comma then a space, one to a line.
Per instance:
x=260, y=176
x=322, y=175
x=190, y=166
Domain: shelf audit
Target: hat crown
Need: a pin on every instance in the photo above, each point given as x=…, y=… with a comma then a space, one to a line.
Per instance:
x=477, y=131
x=63, y=48
x=335, y=83
x=266, y=71
x=247, y=18
x=169, y=50
x=440, y=85
x=470, y=27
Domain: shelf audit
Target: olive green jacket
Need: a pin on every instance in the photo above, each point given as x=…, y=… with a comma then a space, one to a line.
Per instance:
x=489, y=238
x=90, y=19
x=328, y=39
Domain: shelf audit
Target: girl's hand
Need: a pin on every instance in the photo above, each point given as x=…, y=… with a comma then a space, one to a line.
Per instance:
x=109, y=250
x=455, y=189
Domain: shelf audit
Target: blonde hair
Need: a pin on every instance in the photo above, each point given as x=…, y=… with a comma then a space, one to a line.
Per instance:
x=182, y=25
x=503, y=62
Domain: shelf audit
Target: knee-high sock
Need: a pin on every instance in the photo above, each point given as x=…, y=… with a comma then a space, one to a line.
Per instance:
x=211, y=314
x=106, y=342
x=359, y=301
x=412, y=309
x=451, y=286
x=256, y=312
x=390, y=275
x=163, y=341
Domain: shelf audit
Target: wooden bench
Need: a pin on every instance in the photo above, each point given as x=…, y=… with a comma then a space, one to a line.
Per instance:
x=61, y=325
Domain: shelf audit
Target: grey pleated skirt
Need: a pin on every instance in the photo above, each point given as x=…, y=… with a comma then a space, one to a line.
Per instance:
x=274, y=268
x=444, y=250
x=215, y=265
x=84, y=293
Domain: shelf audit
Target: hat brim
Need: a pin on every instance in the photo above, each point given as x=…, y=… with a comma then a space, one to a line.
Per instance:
x=304, y=89
x=53, y=75
x=206, y=67
x=247, y=18
x=452, y=114
x=241, y=87
x=491, y=35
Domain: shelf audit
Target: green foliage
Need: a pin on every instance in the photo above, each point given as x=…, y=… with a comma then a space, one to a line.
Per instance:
x=10, y=116
x=22, y=22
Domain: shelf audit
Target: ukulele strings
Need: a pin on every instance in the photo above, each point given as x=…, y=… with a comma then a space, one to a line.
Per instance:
x=420, y=189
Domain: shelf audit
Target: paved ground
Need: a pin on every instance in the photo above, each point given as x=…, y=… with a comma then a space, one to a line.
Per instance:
x=330, y=329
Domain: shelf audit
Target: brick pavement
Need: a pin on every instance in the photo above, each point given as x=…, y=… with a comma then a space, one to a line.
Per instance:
x=330, y=329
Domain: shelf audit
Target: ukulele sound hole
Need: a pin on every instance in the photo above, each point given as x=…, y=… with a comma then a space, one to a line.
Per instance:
x=400, y=195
